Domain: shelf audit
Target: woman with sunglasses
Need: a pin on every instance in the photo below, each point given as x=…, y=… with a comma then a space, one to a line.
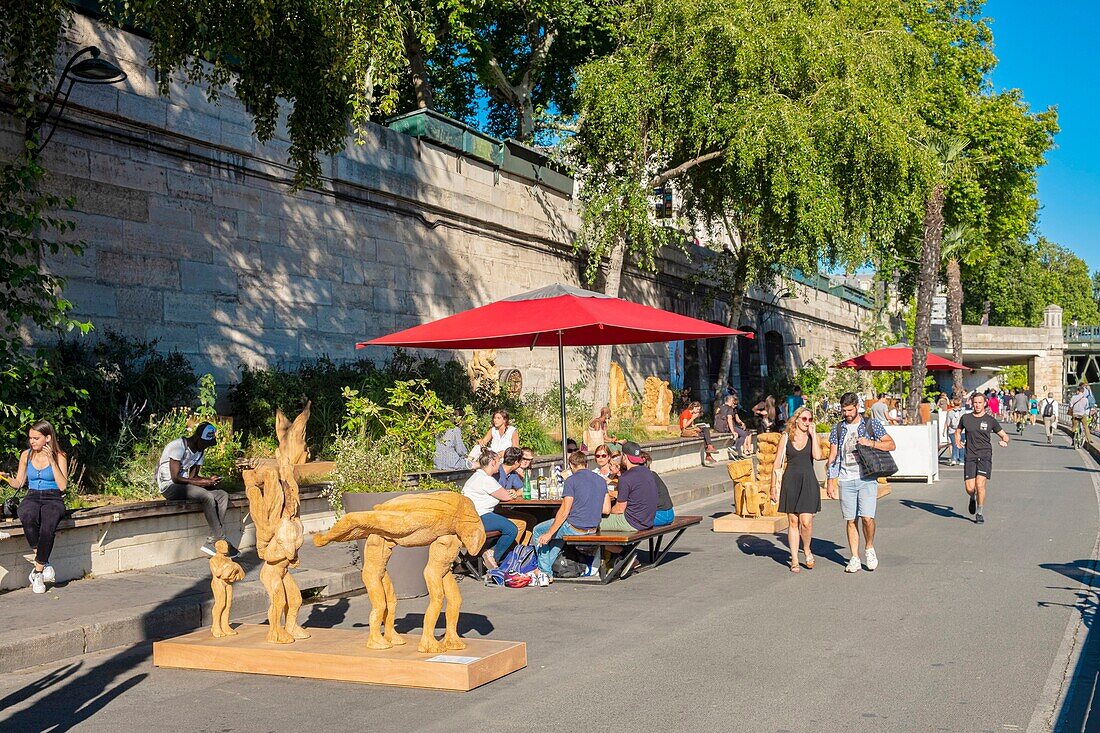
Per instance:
x=603, y=463
x=794, y=484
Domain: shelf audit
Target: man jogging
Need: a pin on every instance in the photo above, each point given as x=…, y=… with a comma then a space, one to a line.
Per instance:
x=1020, y=406
x=978, y=466
x=1048, y=409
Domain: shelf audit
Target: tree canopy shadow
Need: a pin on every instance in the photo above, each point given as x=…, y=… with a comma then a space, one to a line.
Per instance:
x=1080, y=710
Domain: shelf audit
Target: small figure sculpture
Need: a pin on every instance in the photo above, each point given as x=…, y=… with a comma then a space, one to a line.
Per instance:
x=444, y=520
x=273, y=503
x=224, y=572
x=619, y=398
x=482, y=368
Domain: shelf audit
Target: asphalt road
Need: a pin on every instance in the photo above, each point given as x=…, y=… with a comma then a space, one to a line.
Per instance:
x=962, y=628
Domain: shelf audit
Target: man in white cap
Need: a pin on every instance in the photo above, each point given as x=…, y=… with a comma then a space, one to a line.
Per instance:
x=178, y=480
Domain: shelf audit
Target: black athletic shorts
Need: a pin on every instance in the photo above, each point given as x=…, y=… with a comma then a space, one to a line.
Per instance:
x=974, y=467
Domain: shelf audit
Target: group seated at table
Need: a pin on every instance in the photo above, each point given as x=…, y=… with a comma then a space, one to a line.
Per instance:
x=587, y=507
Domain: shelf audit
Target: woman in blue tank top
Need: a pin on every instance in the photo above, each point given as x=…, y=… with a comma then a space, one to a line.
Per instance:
x=44, y=469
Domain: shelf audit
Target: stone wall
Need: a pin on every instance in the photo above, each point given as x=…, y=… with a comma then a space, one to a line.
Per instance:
x=194, y=237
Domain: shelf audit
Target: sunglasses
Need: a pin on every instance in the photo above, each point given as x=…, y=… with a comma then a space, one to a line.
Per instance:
x=526, y=460
x=804, y=419
x=603, y=455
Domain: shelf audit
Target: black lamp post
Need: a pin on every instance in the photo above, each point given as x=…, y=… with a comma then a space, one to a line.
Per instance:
x=84, y=67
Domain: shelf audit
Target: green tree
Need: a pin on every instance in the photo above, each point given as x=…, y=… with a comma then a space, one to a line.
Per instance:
x=948, y=152
x=785, y=126
x=330, y=61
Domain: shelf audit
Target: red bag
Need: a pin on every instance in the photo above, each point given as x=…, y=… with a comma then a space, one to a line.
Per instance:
x=516, y=580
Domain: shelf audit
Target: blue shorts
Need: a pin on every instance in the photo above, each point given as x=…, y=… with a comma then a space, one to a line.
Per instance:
x=858, y=498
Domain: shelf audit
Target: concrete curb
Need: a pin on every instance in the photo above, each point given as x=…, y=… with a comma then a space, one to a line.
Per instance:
x=57, y=642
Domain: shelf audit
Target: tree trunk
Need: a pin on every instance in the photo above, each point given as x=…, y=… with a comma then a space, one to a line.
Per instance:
x=603, y=353
x=955, y=319
x=737, y=300
x=926, y=285
x=418, y=72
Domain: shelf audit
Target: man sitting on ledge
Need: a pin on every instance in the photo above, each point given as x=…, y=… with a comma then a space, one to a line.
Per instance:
x=178, y=480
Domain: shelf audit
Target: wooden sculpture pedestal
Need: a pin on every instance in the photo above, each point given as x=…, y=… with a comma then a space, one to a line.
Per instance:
x=342, y=654
x=750, y=525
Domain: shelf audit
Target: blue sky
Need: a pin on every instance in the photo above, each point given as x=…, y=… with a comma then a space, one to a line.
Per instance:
x=1050, y=51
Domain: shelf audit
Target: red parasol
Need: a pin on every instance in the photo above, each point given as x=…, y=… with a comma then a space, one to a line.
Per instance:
x=896, y=359
x=556, y=315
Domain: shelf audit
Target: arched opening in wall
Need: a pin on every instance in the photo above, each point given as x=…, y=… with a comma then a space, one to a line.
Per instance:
x=748, y=363
x=774, y=352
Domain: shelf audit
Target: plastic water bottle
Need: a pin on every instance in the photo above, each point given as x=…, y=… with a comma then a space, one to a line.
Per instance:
x=555, y=483
x=540, y=486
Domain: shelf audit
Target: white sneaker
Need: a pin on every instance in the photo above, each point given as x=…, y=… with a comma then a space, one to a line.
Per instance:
x=4, y=535
x=540, y=579
x=48, y=574
x=872, y=559
x=853, y=565
x=37, y=584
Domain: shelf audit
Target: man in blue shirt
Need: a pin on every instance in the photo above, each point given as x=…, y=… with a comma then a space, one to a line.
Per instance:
x=584, y=501
x=509, y=476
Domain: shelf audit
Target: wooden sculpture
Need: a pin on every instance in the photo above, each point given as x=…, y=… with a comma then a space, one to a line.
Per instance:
x=752, y=495
x=619, y=399
x=656, y=401
x=482, y=368
x=273, y=503
x=224, y=572
x=444, y=520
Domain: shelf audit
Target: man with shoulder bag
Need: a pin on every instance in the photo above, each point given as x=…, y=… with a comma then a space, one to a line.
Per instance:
x=857, y=491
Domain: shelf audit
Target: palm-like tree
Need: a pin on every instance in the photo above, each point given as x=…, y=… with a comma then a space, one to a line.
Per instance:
x=959, y=245
x=947, y=153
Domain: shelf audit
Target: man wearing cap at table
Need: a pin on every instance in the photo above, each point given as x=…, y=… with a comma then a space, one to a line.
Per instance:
x=178, y=480
x=636, y=500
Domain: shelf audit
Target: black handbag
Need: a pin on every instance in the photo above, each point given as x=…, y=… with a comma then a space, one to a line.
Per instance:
x=10, y=508
x=875, y=463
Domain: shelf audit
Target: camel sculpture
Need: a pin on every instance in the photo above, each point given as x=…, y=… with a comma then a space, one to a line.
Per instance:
x=223, y=573
x=444, y=520
x=273, y=503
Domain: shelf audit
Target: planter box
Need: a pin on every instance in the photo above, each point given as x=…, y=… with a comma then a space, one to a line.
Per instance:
x=146, y=534
x=406, y=565
x=450, y=133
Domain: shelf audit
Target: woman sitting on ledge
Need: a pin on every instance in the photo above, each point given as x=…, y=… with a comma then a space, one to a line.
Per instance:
x=44, y=468
x=689, y=429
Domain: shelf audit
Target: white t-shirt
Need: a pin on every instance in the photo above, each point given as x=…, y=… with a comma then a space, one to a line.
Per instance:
x=176, y=449
x=479, y=489
x=501, y=442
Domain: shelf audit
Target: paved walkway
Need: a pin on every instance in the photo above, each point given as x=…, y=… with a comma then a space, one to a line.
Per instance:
x=962, y=628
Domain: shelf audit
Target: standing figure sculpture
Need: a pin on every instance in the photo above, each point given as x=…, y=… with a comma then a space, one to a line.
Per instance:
x=223, y=573
x=273, y=503
x=445, y=521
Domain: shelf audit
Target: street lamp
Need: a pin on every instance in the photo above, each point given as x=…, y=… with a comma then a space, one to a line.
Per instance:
x=84, y=67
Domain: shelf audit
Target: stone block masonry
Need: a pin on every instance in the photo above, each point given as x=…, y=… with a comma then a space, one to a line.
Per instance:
x=195, y=237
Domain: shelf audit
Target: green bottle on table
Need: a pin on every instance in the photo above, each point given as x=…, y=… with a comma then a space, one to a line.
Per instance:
x=527, y=484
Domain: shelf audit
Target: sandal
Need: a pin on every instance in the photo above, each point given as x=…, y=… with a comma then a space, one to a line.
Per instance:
x=794, y=566
x=809, y=562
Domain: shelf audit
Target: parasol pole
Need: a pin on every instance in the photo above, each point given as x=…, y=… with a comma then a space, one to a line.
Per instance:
x=561, y=394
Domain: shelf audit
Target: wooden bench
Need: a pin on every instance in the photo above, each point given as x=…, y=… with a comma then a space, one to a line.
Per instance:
x=630, y=542
x=475, y=566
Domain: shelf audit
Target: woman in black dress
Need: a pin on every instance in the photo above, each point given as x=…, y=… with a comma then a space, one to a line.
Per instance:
x=794, y=485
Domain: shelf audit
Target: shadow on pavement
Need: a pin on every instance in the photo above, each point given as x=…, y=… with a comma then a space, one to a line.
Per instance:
x=1080, y=712
x=467, y=622
x=941, y=510
x=327, y=615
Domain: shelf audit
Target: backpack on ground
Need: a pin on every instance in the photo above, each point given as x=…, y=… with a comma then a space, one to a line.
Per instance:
x=520, y=560
x=567, y=567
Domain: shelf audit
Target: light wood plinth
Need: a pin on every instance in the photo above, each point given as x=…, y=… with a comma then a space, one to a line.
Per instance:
x=750, y=525
x=341, y=654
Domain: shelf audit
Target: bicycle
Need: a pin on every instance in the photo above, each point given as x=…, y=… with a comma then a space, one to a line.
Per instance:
x=1078, y=432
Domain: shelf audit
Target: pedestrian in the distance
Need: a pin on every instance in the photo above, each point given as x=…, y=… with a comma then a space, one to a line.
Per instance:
x=1048, y=408
x=978, y=426
x=858, y=495
x=794, y=484
x=958, y=453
